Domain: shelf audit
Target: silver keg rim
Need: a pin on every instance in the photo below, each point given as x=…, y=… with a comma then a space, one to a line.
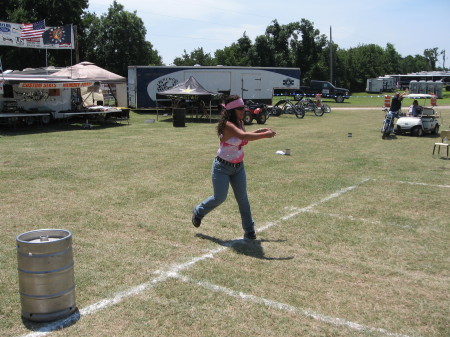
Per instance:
x=43, y=235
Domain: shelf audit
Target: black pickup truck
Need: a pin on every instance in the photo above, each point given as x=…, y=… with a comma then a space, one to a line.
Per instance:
x=327, y=90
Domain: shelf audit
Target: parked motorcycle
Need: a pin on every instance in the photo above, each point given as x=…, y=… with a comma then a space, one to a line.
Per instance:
x=287, y=106
x=388, y=124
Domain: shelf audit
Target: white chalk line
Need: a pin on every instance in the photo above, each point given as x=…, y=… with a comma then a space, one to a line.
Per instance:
x=366, y=221
x=297, y=211
x=416, y=183
x=423, y=184
x=172, y=270
x=119, y=297
x=289, y=308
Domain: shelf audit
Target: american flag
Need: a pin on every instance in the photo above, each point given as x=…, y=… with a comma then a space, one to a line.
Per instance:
x=33, y=30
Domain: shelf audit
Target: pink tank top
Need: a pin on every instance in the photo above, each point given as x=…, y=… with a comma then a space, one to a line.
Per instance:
x=232, y=150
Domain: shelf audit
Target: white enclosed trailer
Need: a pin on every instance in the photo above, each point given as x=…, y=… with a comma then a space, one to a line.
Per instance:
x=380, y=84
x=251, y=83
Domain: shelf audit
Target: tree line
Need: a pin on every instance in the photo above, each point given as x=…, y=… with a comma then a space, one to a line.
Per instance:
x=117, y=39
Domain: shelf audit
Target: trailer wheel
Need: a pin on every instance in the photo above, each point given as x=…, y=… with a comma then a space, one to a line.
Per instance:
x=46, y=119
x=29, y=120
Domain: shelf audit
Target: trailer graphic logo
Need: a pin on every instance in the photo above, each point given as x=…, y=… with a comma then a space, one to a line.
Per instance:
x=288, y=82
x=166, y=83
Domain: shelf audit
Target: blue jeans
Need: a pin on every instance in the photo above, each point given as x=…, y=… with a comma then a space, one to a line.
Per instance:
x=396, y=114
x=223, y=176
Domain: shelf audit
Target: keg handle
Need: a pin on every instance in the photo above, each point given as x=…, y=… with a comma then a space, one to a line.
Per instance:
x=43, y=238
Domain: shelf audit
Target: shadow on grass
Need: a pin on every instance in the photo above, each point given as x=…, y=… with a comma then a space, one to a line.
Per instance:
x=189, y=120
x=57, y=126
x=251, y=248
x=166, y=116
x=53, y=325
x=390, y=137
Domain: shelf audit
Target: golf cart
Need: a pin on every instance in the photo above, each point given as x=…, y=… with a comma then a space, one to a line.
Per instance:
x=425, y=122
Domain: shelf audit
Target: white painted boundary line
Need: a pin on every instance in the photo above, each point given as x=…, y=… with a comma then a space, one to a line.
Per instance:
x=352, y=218
x=413, y=183
x=289, y=308
x=172, y=271
x=423, y=184
x=119, y=297
x=297, y=211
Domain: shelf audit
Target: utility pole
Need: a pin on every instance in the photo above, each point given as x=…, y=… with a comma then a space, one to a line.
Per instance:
x=443, y=59
x=331, y=57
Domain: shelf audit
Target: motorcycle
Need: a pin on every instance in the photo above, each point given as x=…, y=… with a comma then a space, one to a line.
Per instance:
x=388, y=124
x=287, y=107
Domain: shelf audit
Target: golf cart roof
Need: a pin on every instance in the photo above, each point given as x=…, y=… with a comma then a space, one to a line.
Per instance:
x=418, y=96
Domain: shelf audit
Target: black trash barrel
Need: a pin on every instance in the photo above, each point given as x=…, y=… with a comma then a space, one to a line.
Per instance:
x=46, y=274
x=179, y=117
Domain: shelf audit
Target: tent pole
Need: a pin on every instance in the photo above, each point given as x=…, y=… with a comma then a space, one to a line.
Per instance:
x=112, y=93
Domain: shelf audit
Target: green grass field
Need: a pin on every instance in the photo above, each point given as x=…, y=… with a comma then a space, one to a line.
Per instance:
x=353, y=232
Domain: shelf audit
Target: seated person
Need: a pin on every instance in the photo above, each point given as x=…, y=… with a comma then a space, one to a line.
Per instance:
x=415, y=109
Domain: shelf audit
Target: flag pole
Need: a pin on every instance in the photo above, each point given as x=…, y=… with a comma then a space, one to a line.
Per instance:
x=75, y=38
x=46, y=54
x=1, y=68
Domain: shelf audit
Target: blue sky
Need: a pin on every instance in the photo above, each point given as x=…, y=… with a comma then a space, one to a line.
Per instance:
x=177, y=25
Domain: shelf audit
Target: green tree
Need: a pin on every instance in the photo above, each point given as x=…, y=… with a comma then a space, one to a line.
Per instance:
x=230, y=56
x=281, y=37
x=238, y=54
x=342, y=69
x=309, y=51
x=88, y=37
x=411, y=64
x=392, y=60
x=359, y=63
x=198, y=56
x=116, y=40
x=262, y=53
x=431, y=55
x=7, y=7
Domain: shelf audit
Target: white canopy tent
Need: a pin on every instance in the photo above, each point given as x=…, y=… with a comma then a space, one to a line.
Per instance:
x=89, y=71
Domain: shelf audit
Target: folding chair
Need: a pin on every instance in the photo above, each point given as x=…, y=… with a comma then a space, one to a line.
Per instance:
x=445, y=135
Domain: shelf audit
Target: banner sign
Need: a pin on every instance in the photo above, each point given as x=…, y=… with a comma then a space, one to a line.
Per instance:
x=36, y=35
x=40, y=85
